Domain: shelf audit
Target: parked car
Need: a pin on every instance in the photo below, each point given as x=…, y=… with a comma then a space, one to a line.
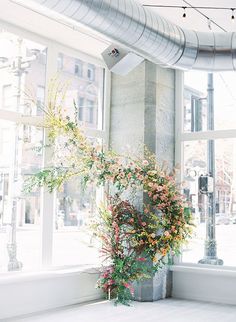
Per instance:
x=233, y=219
x=222, y=219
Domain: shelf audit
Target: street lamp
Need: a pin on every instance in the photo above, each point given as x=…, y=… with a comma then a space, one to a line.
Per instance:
x=12, y=59
x=210, y=252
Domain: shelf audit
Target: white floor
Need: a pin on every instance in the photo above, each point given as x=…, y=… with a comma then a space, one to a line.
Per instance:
x=169, y=310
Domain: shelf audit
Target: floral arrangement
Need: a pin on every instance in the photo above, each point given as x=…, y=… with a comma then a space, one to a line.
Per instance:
x=136, y=237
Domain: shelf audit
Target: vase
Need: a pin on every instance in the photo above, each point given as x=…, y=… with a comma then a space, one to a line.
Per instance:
x=155, y=288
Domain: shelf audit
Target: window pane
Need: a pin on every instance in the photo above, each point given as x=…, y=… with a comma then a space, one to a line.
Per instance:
x=74, y=242
x=195, y=164
x=76, y=207
x=226, y=200
x=20, y=156
x=22, y=74
x=85, y=89
x=195, y=101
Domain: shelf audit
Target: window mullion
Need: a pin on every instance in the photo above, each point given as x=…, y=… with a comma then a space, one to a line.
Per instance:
x=48, y=200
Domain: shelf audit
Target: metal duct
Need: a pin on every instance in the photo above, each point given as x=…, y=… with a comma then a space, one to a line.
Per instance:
x=150, y=35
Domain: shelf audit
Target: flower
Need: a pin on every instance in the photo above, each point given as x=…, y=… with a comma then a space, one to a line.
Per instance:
x=145, y=162
x=166, y=233
x=141, y=259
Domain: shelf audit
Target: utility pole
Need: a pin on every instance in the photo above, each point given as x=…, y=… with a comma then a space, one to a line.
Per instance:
x=210, y=251
x=14, y=264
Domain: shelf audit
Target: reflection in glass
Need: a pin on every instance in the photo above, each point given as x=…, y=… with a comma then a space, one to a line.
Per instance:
x=195, y=93
x=22, y=74
x=19, y=159
x=195, y=161
x=84, y=89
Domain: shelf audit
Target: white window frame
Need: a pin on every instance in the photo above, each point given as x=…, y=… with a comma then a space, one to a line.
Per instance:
x=181, y=137
x=53, y=49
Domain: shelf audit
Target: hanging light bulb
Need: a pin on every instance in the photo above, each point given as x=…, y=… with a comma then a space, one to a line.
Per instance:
x=232, y=16
x=184, y=14
x=209, y=23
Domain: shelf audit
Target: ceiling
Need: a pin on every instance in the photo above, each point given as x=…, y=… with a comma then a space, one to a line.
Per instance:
x=195, y=20
x=78, y=37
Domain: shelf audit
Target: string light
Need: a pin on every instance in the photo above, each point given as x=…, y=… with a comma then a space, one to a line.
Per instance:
x=209, y=23
x=197, y=8
x=232, y=16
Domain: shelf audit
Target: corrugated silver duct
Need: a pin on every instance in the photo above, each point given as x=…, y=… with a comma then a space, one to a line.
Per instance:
x=150, y=35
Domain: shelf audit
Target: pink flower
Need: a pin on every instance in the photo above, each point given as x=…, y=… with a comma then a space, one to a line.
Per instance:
x=127, y=285
x=145, y=162
x=109, y=208
x=141, y=259
x=144, y=223
x=140, y=177
x=166, y=233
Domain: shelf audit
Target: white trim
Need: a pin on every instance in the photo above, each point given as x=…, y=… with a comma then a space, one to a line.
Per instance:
x=21, y=277
x=107, y=102
x=209, y=135
x=21, y=119
x=47, y=42
x=205, y=269
x=76, y=53
x=179, y=87
x=48, y=209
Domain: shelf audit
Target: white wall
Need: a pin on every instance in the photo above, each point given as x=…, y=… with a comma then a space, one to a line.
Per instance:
x=211, y=284
x=28, y=293
x=24, y=294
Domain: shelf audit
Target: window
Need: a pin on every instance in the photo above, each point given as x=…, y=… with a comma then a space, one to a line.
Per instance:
x=23, y=80
x=91, y=72
x=78, y=68
x=73, y=243
x=91, y=110
x=87, y=91
x=81, y=109
x=208, y=143
x=40, y=99
x=24, y=217
x=18, y=160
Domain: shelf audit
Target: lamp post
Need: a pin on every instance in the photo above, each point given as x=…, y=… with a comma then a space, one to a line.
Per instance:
x=210, y=251
x=17, y=65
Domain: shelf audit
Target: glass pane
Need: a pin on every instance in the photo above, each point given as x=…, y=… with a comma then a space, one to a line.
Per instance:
x=225, y=100
x=74, y=242
x=226, y=200
x=22, y=74
x=195, y=164
x=76, y=206
x=20, y=156
x=195, y=101
x=84, y=89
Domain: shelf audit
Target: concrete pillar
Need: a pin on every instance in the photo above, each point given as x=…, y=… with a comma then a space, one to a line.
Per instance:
x=142, y=113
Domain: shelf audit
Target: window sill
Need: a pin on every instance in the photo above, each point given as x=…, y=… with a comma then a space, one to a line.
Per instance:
x=204, y=269
x=19, y=277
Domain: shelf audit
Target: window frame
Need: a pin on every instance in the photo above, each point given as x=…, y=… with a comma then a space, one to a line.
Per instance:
x=181, y=137
x=53, y=50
